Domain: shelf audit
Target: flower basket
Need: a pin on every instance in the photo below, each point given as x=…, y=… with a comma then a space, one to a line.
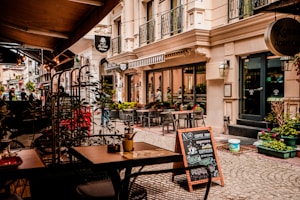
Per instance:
x=276, y=153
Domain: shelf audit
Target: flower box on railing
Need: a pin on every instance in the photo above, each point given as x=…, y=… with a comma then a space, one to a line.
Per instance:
x=276, y=153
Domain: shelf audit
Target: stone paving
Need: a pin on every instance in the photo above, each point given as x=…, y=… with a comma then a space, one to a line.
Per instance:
x=247, y=176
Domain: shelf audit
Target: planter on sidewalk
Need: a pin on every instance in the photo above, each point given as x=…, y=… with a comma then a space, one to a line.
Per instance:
x=290, y=141
x=276, y=153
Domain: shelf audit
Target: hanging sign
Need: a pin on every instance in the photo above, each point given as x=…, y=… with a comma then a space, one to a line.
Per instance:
x=197, y=146
x=102, y=43
x=282, y=37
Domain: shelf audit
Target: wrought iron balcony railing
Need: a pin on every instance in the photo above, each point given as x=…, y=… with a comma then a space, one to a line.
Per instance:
x=240, y=9
x=147, y=32
x=171, y=22
x=116, y=47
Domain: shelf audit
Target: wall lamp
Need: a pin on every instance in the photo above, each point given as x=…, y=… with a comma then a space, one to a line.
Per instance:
x=224, y=68
x=286, y=63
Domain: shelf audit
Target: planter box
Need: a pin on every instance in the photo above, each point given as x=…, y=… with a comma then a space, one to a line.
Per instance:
x=290, y=141
x=279, y=154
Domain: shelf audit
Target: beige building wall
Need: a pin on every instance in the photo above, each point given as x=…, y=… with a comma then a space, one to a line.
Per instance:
x=208, y=36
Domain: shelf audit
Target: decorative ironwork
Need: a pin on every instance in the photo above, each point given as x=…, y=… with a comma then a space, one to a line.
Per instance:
x=240, y=9
x=116, y=45
x=147, y=32
x=171, y=22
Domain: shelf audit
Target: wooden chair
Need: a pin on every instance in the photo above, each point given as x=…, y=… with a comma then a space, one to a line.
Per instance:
x=163, y=184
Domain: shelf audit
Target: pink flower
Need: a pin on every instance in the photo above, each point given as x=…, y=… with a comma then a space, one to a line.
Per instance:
x=274, y=135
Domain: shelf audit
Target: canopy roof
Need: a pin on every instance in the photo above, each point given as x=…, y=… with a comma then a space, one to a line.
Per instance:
x=51, y=25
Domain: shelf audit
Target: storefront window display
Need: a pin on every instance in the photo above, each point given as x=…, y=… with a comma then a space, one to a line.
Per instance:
x=184, y=85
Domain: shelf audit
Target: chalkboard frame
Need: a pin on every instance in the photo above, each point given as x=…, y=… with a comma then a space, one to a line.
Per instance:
x=180, y=148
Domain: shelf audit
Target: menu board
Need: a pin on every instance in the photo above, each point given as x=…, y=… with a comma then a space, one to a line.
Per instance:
x=198, y=148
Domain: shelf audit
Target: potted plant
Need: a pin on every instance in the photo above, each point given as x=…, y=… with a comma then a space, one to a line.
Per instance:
x=287, y=132
x=266, y=135
x=276, y=148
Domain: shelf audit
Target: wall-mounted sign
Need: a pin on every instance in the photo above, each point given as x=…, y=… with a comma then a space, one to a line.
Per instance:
x=123, y=66
x=102, y=43
x=282, y=37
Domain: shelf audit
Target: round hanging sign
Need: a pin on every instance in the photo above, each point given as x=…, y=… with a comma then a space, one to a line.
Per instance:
x=282, y=37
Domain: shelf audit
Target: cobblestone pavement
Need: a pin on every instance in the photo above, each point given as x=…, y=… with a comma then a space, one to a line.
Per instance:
x=247, y=176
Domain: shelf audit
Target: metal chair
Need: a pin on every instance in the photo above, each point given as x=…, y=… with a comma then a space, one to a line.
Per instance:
x=102, y=189
x=183, y=117
x=197, y=115
x=167, y=119
x=129, y=115
x=5, y=187
x=163, y=184
x=153, y=116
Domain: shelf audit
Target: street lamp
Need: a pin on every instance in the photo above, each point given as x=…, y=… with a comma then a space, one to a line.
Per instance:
x=286, y=63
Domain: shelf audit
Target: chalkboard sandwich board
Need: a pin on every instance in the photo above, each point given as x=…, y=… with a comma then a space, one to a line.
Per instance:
x=197, y=146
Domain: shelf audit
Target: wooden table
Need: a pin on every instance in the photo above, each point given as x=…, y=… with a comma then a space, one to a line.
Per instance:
x=143, y=154
x=32, y=166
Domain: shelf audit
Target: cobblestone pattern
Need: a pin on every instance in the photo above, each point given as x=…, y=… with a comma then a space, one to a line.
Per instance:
x=249, y=176
x=252, y=176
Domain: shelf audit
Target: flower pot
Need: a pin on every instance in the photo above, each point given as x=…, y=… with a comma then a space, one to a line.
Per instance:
x=290, y=141
x=275, y=153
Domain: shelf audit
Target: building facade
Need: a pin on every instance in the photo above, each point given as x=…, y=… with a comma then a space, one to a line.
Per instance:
x=211, y=53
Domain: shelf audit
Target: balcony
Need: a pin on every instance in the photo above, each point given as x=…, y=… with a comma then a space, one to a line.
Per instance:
x=171, y=22
x=116, y=47
x=147, y=32
x=241, y=9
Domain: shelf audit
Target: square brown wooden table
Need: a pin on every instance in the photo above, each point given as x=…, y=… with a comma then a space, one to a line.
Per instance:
x=143, y=154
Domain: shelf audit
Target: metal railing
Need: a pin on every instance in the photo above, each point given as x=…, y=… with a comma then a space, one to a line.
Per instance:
x=116, y=45
x=241, y=9
x=171, y=22
x=147, y=32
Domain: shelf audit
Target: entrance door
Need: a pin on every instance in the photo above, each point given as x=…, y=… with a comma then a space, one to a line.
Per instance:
x=252, y=103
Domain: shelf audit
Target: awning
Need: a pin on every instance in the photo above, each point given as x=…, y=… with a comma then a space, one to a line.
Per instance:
x=51, y=25
x=150, y=60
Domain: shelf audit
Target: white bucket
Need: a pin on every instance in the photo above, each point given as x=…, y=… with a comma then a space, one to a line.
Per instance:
x=234, y=145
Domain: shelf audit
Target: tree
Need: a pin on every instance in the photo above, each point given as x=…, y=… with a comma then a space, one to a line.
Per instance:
x=30, y=86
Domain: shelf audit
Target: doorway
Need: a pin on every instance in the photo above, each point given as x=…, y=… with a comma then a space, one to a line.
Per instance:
x=262, y=81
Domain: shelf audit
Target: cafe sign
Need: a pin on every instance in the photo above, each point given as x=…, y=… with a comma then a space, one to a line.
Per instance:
x=282, y=37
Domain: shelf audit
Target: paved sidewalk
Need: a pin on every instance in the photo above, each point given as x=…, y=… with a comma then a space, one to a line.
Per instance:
x=247, y=176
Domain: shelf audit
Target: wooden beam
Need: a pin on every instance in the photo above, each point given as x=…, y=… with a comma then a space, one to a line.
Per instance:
x=38, y=32
x=89, y=2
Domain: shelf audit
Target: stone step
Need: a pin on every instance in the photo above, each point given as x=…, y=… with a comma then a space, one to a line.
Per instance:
x=243, y=130
x=260, y=124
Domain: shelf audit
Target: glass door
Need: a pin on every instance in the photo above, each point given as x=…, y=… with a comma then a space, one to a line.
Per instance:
x=252, y=102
